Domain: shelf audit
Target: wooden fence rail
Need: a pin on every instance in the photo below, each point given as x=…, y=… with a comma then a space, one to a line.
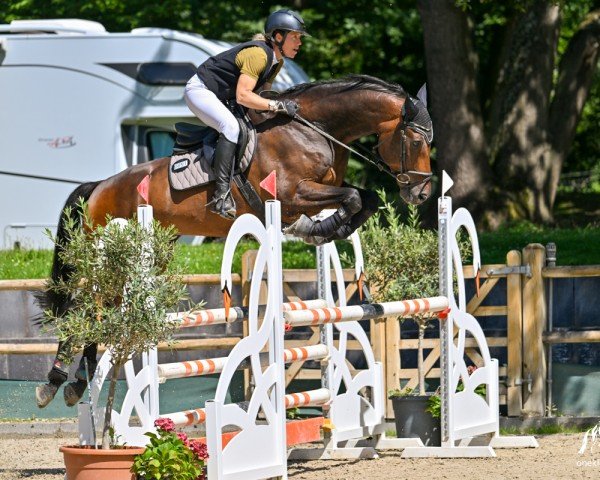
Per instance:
x=523, y=378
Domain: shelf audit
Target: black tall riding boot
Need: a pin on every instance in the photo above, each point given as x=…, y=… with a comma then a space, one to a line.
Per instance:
x=222, y=202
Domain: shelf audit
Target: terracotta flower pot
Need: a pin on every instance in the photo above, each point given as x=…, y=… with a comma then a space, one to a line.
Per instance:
x=97, y=464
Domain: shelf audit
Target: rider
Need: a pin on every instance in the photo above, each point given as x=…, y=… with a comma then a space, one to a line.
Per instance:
x=238, y=74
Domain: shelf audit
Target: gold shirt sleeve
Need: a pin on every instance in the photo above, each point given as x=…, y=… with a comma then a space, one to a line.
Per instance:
x=252, y=61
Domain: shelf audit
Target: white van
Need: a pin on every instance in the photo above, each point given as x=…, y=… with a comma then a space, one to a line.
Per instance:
x=81, y=104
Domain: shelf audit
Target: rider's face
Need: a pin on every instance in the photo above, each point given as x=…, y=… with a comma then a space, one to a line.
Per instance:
x=292, y=43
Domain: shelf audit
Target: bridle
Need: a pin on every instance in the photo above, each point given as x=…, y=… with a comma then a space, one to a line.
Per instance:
x=402, y=176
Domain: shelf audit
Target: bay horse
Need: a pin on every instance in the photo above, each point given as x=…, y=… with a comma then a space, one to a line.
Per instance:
x=310, y=163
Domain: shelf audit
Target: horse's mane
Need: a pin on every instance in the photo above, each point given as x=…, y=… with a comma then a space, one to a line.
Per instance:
x=346, y=84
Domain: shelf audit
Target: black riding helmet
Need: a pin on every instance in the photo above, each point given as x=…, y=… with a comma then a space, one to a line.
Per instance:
x=286, y=20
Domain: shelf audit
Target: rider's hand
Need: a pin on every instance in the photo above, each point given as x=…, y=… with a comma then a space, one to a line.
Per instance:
x=289, y=107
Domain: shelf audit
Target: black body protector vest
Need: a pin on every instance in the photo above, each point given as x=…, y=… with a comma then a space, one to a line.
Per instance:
x=220, y=73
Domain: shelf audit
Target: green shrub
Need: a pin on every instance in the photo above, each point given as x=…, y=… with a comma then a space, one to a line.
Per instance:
x=122, y=284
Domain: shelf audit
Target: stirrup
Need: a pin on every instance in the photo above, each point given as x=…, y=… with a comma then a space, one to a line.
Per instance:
x=216, y=206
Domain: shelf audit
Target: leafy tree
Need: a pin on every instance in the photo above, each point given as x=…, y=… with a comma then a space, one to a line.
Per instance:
x=514, y=86
x=508, y=87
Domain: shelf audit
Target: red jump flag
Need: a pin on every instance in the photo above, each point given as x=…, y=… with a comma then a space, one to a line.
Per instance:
x=269, y=184
x=143, y=188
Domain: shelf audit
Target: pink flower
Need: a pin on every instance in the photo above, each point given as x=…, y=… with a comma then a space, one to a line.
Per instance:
x=183, y=437
x=165, y=424
x=199, y=449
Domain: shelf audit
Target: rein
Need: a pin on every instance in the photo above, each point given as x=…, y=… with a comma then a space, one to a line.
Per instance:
x=401, y=177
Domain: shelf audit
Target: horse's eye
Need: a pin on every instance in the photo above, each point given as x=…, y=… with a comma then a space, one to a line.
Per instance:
x=417, y=143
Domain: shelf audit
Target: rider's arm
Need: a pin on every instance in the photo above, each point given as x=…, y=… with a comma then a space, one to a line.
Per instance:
x=245, y=95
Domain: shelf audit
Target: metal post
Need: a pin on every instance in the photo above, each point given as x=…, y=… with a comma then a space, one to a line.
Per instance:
x=550, y=262
x=325, y=331
x=446, y=330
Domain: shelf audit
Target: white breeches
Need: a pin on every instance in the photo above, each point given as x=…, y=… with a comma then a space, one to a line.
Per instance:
x=208, y=108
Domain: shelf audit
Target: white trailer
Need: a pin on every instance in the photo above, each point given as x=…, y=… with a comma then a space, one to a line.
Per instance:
x=81, y=104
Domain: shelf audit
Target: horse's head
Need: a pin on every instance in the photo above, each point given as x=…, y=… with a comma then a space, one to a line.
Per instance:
x=405, y=147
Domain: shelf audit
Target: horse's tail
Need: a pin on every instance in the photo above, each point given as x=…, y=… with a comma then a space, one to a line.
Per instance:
x=49, y=299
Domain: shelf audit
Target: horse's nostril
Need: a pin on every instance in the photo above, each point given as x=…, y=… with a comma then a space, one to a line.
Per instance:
x=423, y=196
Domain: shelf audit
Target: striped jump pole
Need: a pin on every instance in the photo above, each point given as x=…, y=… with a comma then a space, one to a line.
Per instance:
x=197, y=416
x=208, y=366
x=217, y=316
x=320, y=316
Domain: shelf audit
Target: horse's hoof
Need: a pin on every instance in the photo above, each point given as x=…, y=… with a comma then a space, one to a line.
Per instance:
x=317, y=241
x=45, y=393
x=73, y=392
x=301, y=227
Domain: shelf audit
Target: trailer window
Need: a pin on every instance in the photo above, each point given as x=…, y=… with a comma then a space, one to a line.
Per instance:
x=156, y=73
x=160, y=143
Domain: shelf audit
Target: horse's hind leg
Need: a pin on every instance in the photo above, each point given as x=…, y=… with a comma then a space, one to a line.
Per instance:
x=74, y=390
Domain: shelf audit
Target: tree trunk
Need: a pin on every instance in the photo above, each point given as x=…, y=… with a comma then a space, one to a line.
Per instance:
x=532, y=121
x=110, y=401
x=455, y=104
x=519, y=148
x=576, y=73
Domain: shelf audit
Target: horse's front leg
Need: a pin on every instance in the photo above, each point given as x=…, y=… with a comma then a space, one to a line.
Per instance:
x=312, y=195
x=369, y=201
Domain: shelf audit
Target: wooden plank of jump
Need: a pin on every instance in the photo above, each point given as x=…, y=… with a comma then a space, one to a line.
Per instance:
x=534, y=324
x=587, y=336
x=514, y=333
x=435, y=373
x=577, y=271
x=40, y=283
x=23, y=284
x=469, y=273
x=412, y=343
x=491, y=311
x=428, y=363
x=485, y=289
x=191, y=344
x=309, y=275
x=293, y=370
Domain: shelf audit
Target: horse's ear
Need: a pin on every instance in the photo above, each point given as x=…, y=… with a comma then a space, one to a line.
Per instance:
x=422, y=94
x=409, y=110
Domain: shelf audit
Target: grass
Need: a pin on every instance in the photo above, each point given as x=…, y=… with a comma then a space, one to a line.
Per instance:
x=574, y=247
x=206, y=258
x=577, y=237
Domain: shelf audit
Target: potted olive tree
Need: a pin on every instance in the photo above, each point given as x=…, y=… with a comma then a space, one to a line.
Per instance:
x=123, y=282
x=401, y=262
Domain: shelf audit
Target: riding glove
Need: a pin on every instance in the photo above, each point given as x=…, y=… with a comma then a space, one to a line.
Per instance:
x=289, y=107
